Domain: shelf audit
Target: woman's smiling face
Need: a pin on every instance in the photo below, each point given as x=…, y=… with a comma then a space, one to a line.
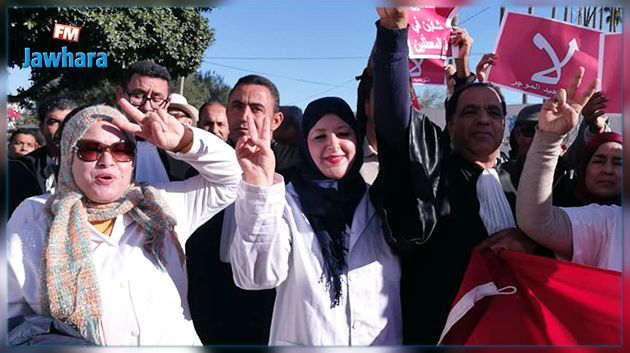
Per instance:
x=332, y=146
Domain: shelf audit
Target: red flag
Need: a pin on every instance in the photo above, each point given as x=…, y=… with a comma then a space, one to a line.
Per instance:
x=519, y=298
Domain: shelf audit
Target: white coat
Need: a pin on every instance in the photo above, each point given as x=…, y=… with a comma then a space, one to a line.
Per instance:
x=141, y=305
x=275, y=247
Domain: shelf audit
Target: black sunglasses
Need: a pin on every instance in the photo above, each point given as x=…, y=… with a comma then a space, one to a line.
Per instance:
x=90, y=151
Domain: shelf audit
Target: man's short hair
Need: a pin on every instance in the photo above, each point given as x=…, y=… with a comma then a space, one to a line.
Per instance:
x=451, y=103
x=53, y=103
x=292, y=117
x=29, y=131
x=209, y=103
x=262, y=81
x=147, y=68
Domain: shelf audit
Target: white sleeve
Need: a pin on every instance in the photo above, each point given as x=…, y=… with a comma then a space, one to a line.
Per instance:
x=592, y=229
x=197, y=199
x=261, y=248
x=16, y=302
x=25, y=244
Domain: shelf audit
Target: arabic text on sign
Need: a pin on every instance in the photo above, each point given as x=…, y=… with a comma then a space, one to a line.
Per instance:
x=425, y=44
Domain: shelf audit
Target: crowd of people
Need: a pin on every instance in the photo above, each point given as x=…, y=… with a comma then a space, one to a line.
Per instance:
x=250, y=223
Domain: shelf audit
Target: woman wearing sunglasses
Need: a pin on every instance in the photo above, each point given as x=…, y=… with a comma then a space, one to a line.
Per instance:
x=104, y=254
x=318, y=241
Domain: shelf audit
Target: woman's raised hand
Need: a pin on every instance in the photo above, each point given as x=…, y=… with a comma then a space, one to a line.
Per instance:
x=559, y=114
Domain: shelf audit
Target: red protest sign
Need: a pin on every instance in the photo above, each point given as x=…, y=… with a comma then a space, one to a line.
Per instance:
x=429, y=31
x=610, y=69
x=538, y=56
x=427, y=71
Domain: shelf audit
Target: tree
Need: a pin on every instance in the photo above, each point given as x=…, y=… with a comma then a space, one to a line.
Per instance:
x=204, y=86
x=432, y=97
x=614, y=17
x=173, y=37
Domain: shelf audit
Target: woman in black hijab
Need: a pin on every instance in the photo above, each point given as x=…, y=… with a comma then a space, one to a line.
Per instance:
x=319, y=240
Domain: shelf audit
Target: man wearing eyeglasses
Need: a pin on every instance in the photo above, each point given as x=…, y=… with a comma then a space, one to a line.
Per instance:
x=147, y=86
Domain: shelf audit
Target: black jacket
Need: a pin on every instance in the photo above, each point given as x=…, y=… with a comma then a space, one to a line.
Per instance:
x=27, y=176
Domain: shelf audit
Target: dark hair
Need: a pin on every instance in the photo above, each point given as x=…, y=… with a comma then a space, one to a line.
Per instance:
x=292, y=117
x=53, y=103
x=29, y=131
x=147, y=68
x=210, y=102
x=363, y=95
x=451, y=102
x=262, y=81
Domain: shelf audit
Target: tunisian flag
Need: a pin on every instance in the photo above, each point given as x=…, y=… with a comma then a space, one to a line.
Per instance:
x=523, y=299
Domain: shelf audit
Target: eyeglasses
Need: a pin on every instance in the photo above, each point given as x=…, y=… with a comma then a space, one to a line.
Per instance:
x=138, y=98
x=90, y=151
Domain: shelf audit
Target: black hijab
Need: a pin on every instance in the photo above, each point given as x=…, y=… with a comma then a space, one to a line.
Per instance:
x=330, y=207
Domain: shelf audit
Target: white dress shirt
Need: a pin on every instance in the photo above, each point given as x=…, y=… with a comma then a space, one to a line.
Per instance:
x=141, y=305
x=275, y=246
x=494, y=208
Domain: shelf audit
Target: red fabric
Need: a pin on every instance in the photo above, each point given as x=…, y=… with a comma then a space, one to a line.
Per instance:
x=556, y=303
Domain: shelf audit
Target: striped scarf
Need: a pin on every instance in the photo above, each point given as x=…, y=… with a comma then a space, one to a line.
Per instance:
x=70, y=289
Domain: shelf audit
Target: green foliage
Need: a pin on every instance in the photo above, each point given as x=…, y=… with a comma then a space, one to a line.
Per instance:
x=29, y=117
x=204, y=86
x=173, y=37
x=432, y=97
x=102, y=92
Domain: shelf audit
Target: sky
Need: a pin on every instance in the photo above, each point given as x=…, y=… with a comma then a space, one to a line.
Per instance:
x=314, y=49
